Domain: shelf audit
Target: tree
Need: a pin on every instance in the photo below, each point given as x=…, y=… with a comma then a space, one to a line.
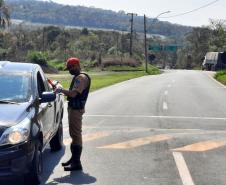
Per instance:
x=196, y=45
x=37, y=57
x=218, y=39
x=4, y=15
x=85, y=31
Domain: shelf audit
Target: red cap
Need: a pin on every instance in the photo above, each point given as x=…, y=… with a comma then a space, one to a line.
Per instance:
x=71, y=62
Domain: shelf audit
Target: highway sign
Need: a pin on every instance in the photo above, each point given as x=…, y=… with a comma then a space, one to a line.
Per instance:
x=157, y=48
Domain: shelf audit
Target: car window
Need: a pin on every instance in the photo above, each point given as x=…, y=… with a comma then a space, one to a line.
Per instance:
x=15, y=87
x=40, y=84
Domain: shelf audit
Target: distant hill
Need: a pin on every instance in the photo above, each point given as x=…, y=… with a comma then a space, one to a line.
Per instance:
x=57, y=14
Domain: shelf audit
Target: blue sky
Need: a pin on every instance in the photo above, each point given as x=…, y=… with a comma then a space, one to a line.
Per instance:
x=152, y=8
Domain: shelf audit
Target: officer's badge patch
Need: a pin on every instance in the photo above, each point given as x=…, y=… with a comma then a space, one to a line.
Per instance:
x=77, y=82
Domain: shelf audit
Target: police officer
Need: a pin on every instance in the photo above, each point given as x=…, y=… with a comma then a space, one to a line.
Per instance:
x=76, y=96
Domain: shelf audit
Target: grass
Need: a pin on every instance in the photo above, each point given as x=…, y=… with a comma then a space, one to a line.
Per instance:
x=100, y=81
x=103, y=79
x=221, y=76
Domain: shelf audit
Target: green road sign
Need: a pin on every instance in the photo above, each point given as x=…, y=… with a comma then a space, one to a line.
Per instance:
x=155, y=47
x=171, y=48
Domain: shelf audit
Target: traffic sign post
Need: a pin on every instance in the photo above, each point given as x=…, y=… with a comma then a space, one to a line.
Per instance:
x=151, y=58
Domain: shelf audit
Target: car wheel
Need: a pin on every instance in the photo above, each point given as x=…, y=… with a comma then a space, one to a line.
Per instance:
x=34, y=175
x=56, y=142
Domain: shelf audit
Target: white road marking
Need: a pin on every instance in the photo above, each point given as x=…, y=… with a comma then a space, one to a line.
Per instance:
x=166, y=93
x=183, y=169
x=165, y=106
x=147, y=116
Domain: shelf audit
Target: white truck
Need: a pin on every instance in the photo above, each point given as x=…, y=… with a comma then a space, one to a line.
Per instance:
x=214, y=61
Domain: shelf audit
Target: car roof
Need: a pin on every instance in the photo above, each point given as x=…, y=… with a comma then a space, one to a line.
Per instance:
x=7, y=66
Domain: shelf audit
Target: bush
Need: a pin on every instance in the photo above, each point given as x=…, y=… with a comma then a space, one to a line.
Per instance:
x=118, y=62
x=220, y=73
x=221, y=76
x=58, y=64
x=37, y=57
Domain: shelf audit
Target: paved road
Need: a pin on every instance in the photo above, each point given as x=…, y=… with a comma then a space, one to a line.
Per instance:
x=168, y=129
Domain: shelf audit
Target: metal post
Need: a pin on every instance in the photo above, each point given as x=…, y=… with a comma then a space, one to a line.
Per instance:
x=145, y=37
x=145, y=44
x=65, y=46
x=43, y=39
x=131, y=33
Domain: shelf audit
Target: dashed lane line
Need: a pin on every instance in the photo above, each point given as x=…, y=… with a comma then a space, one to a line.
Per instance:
x=165, y=106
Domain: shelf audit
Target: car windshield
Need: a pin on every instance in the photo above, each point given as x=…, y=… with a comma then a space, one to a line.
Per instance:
x=15, y=87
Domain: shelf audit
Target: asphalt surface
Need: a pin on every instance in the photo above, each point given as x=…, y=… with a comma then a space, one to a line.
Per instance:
x=168, y=129
x=131, y=130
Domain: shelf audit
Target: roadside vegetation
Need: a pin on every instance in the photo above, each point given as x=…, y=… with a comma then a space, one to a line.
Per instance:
x=221, y=76
x=102, y=79
x=47, y=12
x=49, y=46
x=201, y=40
x=104, y=55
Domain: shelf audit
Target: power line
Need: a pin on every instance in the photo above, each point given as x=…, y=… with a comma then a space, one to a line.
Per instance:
x=191, y=11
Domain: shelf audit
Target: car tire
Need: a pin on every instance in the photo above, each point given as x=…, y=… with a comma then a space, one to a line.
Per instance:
x=34, y=175
x=56, y=142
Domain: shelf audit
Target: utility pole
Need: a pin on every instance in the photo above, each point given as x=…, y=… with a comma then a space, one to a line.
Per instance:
x=145, y=44
x=117, y=43
x=145, y=38
x=43, y=39
x=131, y=33
x=65, y=45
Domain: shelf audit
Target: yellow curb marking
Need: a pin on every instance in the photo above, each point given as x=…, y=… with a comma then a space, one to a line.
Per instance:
x=90, y=137
x=137, y=142
x=202, y=146
x=87, y=137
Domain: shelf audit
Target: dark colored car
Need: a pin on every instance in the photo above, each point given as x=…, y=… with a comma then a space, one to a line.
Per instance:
x=30, y=118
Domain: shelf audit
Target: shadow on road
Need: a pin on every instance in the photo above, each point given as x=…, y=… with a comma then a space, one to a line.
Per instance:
x=74, y=178
x=50, y=161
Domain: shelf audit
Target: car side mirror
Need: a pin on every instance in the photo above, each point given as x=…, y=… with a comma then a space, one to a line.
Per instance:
x=47, y=97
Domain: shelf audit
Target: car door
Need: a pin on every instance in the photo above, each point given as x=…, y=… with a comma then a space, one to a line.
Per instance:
x=46, y=110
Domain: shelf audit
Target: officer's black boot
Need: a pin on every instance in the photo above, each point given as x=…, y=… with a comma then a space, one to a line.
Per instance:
x=76, y=162
x=70, y=160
